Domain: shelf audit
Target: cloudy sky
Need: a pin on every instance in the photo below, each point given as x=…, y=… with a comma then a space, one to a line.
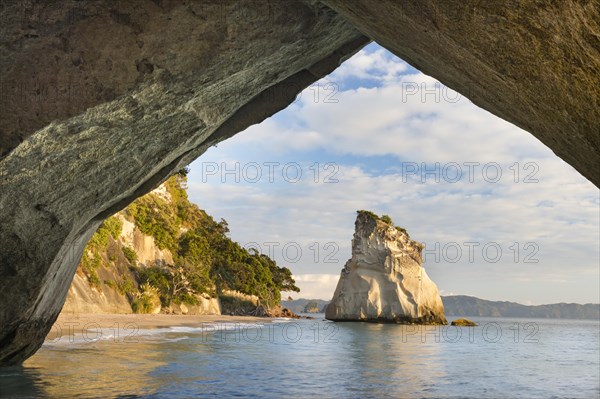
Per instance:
x=502, y=217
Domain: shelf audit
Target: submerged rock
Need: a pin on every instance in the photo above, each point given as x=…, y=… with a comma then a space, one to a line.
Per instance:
x=384, y=280
x=464, y=323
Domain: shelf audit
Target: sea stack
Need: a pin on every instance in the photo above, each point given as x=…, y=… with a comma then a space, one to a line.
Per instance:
x=385, y=281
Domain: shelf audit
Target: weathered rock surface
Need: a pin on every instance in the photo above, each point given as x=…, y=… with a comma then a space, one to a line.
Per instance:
x=205, y=306
x=84, y=298
x=148, y=253
x=384, y=280
x=533, y=63
x=129, y=92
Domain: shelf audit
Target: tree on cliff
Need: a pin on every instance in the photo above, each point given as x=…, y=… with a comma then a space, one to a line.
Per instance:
x=386, y=219
x=206, y=260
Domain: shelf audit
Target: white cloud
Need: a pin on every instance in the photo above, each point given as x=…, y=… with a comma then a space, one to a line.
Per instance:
x=392, y=120
x=368, y=134
x=315, y=286
x=370, y=65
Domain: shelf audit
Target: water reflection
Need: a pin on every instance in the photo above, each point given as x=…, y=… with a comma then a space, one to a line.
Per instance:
x=389, y=359
x=21, y=382
x=328, y=360
x=100, y=369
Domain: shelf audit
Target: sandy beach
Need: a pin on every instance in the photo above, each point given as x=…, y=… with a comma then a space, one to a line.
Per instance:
x=90, y=325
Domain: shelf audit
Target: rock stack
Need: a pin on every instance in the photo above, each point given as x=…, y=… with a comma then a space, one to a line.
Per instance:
x=384, y=280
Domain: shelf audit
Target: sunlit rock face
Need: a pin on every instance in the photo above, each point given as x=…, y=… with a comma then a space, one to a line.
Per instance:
x=533, y=63
x=101, y=101
x=384, y=280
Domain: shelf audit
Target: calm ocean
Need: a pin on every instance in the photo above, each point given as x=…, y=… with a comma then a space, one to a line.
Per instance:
x=502, y=358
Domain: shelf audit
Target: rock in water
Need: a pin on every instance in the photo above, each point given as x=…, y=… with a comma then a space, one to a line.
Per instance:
x=464, y=323
x=384, y=280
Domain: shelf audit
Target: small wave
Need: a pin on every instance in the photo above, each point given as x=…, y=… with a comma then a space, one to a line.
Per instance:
x=177, y=339
x=282, y=319
x=163, y=334
x=210, y=327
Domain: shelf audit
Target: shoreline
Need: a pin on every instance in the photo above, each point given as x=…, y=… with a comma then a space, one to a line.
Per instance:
x=86, y=324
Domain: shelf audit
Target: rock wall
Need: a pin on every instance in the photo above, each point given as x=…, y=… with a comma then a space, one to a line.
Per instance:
x=123, y=95
x=85, y=298
x=384, y=280
x=144, y=246
x=206, y=306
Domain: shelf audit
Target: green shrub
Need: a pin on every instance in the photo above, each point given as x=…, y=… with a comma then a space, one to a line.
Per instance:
x=155, y=217
x=110, y=227
x=160, y=279
x=142, y=305
x=114, y=226
x=100, y=239
x=386, y=219
x=93, y=279
x=130, y=255
x=126, y=286
x=111, y=283
x=147, y=300
x=403, y=230
x=89, y=267
x=187, y=299
x=368, y=213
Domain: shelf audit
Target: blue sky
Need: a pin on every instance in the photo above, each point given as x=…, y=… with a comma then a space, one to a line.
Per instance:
x=502, y=217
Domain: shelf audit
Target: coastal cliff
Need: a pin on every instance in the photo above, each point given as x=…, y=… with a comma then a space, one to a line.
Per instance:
x=113, y=283
x=384, y=280
x=162, y=254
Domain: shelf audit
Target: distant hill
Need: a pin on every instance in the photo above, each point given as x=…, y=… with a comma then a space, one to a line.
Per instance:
x=462, y=305
x=300, y=305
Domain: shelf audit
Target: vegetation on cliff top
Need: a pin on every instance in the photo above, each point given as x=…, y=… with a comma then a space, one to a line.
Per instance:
x=384, y=218
x=205, y=260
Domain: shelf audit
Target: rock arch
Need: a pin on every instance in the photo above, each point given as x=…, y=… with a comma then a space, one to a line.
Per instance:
x=101, y=101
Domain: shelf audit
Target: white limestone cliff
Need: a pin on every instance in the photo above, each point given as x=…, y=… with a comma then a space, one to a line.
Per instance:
x=84, y=297
x=384, y=280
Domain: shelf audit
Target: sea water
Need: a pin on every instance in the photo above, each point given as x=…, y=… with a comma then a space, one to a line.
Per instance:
x=501, y=358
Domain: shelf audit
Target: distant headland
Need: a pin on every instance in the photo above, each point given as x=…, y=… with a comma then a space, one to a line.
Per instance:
x=463, y=305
